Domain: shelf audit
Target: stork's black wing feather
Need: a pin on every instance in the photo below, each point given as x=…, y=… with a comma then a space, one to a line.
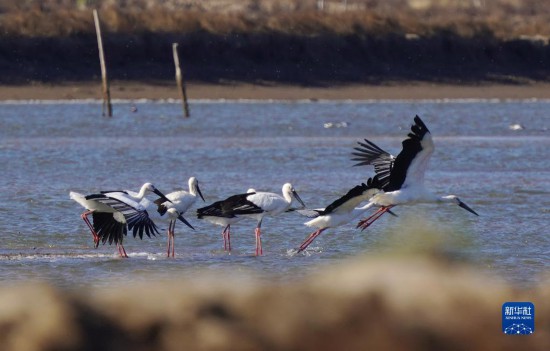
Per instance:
x=161, y=209
x=114, y=191
x=226, y=208
x=139, y=222
x=137, y=219
x=354, y=192
x=309, y=213
x=412, y=146
x=355, y=195
x=107, y=228
x=370, y=154
x=247, y=207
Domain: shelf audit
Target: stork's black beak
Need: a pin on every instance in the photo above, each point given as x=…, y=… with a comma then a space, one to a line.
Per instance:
x=297, y=197
x=392, y=213
x=180, y=217
x=164, y=198
x=466, y=207
x=199, y=191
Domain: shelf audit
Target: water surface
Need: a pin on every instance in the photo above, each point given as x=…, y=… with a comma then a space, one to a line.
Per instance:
x=49, y=149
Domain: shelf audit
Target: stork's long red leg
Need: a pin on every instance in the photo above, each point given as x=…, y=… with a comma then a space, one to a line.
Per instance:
x=168, y=243
x=121, y=250
x=228, y=234
x=365, y=220
x=173, y=238
x=224, y=236
x=259, y=250
x=310, y=239
x=84, y=216
x=365, y=223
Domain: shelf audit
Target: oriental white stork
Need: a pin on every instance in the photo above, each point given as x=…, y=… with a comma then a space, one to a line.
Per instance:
x=221, y=213
x=402, y=177
x=341, y=211
x=180, y=201
x=116, y=212
x=261, y=204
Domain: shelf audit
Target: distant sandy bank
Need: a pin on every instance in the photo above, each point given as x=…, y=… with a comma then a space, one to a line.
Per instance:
x=167, y=90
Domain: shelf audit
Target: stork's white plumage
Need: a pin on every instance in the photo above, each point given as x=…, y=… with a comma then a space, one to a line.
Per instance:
x=114, y=212
x=402, y=177
x=261, y=204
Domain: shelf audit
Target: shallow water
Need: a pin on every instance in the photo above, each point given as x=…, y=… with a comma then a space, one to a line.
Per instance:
x=49, y=149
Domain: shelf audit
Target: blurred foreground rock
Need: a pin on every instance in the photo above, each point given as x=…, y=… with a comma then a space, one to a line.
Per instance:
x=390, y=303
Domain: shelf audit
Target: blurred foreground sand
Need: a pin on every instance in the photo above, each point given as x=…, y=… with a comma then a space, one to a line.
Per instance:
x=395, y=302
x=231, y=90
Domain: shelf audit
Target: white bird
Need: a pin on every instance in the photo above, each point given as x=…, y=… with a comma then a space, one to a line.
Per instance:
x=402, y=177
x=341, y=211
x=114, y=212
x=261, y=204
x=180, y=201
x=221, y=213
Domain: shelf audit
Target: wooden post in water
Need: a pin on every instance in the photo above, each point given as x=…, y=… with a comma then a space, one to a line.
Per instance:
x=179, y=80
x=105, y=82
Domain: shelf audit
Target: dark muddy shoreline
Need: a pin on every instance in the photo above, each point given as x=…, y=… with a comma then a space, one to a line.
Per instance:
x=320, y=60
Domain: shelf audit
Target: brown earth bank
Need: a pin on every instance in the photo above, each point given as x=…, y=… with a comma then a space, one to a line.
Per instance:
x=293, y=42
x=396, y=302
x=269, y=90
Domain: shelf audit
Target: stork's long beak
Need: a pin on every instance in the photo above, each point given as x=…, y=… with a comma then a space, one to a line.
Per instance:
x=164, y=198
x=467, y=208
x=180, y=217
x=200, y=194
x=297, y=197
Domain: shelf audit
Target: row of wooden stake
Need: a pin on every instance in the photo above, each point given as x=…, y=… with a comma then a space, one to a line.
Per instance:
x=105, y=82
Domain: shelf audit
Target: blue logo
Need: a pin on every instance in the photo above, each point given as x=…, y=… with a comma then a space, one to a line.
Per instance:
x=518, y=318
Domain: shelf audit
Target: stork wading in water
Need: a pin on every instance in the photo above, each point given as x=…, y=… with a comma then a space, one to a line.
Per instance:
x=261, y=204
x=221, y=213
x=180, y=201
x=402, y=177
x=116, y=212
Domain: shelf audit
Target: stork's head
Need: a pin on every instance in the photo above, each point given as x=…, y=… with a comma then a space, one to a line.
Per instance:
x=454, y=199
x=289, y=189
x=194, y=187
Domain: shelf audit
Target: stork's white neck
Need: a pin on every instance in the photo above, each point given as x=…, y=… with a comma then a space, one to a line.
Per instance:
x=193, y=186
x=447, y=199
x=141, y=193
x=287, y=193
x=409, y=195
